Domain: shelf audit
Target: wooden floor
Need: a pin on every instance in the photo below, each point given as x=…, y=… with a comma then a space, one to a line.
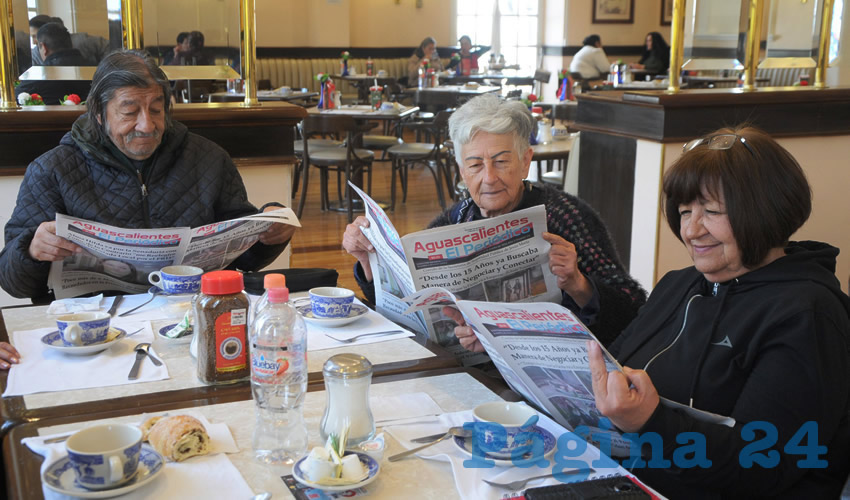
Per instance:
x=319, y=241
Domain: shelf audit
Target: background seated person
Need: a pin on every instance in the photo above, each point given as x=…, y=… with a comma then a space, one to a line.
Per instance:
x=54, y=45
x=590, y=61
x=427, y=51
x=656, y=56
x=468, y=62
x=93, y=48
x=757, y=330
x=491, y=145
x=126, y=163
x=192, y=52
x=182, y=46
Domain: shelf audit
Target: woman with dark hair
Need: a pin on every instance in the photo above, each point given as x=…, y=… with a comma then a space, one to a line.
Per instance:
x=656, y=55
x=427, y=51
x=757, y=330
x=590, y=61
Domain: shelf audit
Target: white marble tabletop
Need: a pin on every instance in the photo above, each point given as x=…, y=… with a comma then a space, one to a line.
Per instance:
x=181, y=366
x=410, y=478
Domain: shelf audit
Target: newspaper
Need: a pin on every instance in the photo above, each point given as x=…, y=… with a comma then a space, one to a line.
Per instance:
x=541, y=351
x=501, y=259
x=116, y=258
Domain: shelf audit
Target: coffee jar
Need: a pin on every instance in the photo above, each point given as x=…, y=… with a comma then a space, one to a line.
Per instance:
x=221, y=324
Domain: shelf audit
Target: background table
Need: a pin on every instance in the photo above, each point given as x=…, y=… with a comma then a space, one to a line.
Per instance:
x=262, y=95
x=363, y=82
x=447, y=96
x=509, y=78
x=454, y=390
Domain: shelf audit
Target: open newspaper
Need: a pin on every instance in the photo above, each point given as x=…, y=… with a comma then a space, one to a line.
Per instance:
x=501, y=259
x=117, y=258
x=541, y=351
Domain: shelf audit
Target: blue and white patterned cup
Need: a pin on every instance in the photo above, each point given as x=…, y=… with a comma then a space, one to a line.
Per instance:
x=331, y=302
x=177, y=279
x=105, y=456
x=503, y=425
x=87, y=328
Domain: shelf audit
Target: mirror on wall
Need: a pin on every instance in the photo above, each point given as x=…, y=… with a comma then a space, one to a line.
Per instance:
x=715, y=31
x=793, y=33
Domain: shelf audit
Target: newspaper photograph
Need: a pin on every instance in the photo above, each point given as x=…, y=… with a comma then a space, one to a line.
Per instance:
x=500, y=259
x=120, y=259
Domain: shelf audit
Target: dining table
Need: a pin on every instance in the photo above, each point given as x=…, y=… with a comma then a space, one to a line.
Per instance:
x=448, y=96
x=390, y=354
x=515, y=78
x=362, y=83
x=264, y=95
x=427, y=400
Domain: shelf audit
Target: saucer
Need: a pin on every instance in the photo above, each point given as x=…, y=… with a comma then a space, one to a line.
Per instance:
x=504, y=460
x=184, y=339
x=306, y=311
x=172, y=297
x=53, y=340
x=61, y=478
x=370, y=463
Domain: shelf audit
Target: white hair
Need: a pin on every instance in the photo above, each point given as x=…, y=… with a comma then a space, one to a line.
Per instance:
x=489, y=113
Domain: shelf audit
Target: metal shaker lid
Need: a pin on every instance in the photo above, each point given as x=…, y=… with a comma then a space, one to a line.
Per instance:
x=347, y=365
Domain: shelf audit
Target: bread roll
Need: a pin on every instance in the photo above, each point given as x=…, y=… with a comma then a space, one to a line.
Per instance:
x=179, y=437
x=147, y=425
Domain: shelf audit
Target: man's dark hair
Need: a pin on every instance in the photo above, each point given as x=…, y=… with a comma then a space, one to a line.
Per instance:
x=196, y=41
x=123, y=68
x=591, y=40
x=182, y=36
x=765, y=191
x=54, y=36
x=40, y=20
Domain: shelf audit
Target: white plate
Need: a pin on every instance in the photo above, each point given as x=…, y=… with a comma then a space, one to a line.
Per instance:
x=306, y=312
x=549, y=444
x=185, y=339
x=53, y=340
x=60, y=476
x=370, y=463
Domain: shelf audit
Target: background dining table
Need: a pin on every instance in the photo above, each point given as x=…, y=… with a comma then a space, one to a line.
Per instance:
x=362, y=83
x=507, y=78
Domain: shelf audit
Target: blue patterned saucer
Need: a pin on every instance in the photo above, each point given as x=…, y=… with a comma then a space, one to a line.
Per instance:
x=306, y=312
x=61, y=478
x=371, y=465
x=505, y=460
x=53, y=340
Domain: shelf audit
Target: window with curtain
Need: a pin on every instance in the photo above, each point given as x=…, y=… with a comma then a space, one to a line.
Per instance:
x=32, y=8
x=509, y=26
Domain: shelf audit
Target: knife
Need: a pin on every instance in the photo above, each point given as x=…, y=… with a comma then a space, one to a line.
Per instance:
x=114, y=307
x=134, y=371
x=428, y=439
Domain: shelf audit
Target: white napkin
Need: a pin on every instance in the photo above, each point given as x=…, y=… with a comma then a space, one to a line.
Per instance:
x=77, y=304
x=209, y=476
x=468, y=481
x=46, y=370
x=404, y=408
x=368, y=323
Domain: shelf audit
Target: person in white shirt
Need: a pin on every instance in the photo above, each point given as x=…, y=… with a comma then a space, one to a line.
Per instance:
x=591, y=61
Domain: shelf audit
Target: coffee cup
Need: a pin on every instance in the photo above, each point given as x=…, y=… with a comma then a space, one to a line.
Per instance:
x=177, y=279
x=331, y=302
x=105, y=456
x=503, y=427
x=86, y=328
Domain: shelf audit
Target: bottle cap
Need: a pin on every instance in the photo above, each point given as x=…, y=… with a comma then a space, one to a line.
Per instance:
x=278, y=295
x=347, y=365
x=274, y=280
x=221, y=283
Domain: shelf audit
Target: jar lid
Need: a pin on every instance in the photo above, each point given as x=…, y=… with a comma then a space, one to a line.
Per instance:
x=221, y=283
x=347, y=365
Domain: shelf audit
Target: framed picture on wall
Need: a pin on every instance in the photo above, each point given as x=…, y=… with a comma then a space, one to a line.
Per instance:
x=614, y=11
x=666, y=12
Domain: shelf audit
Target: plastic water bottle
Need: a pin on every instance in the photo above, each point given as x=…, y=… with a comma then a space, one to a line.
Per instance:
x=279, y=380
x=271, y=280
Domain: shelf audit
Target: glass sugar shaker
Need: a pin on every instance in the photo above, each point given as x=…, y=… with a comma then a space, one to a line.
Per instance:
x=347, y=379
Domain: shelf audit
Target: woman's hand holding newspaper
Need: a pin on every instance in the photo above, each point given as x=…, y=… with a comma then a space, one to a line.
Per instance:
x=356, y=243
x=463, y=332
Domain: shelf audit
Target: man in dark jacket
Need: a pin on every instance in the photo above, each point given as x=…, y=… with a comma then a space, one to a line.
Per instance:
x=54, y=45
x=93, y=48
x=125, y=163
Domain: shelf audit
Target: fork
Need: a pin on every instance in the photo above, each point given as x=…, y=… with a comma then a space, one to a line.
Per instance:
x=520, y=483
x=352, y=339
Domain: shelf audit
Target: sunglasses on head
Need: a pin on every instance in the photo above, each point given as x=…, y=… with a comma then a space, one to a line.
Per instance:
x=719, y=142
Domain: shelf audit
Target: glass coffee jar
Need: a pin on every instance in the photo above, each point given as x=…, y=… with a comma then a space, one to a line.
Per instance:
x=221, y=323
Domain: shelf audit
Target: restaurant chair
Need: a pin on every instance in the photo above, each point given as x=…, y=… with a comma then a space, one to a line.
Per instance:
x=541, y=76
x=567, y=175
x=349, y=160
x=431, y=154
x=315, y=144
x=556, y=155
x=583, y=82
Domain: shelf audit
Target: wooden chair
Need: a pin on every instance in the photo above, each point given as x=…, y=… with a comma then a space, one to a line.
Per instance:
x=430, y=154
x=350, y=160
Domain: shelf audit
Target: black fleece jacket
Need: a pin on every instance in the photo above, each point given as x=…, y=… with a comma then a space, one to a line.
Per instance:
x=769, y=346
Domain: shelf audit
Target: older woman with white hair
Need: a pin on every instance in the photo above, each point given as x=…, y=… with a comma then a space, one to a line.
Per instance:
x=492, y=148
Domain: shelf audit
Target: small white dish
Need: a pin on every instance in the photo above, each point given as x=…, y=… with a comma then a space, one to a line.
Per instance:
x=53, y=340
x=370, y=463
x=549, y=444
x=171, y=297
x=61, y=478
x=306, y=311
x=185, y=339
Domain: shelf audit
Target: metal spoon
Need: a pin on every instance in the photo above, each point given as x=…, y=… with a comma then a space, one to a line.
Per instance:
x=152, y=291
x=145, y=346
x=453, y=431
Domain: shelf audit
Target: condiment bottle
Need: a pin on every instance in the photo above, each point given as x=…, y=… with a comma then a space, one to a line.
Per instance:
x=347, y=378
x=221, y=317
